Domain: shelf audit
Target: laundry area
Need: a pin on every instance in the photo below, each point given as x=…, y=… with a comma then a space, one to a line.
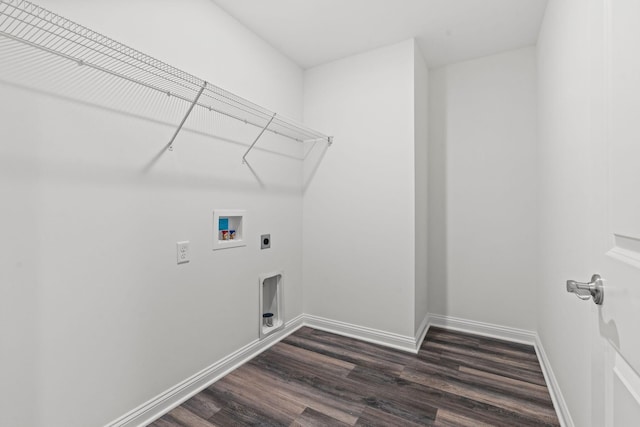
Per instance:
x=315, y=193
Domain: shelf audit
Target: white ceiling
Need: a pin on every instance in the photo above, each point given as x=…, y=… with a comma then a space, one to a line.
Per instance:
x=312, y=32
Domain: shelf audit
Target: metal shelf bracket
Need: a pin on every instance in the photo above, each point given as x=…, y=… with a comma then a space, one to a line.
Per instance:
x=184, y=119
x=257, y=138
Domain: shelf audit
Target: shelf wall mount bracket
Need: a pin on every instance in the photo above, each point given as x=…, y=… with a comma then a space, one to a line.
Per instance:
x=186, y=116
x=244, y=160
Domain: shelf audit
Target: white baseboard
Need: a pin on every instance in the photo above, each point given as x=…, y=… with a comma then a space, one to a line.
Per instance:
x=484, y=329
x=564, y=416
x=176, y=395
x=375, y=336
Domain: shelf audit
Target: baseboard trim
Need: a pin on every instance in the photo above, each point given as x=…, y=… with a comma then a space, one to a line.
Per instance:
x=176, y=395
x=485, y=329
x=375, y=336
x=564, y=416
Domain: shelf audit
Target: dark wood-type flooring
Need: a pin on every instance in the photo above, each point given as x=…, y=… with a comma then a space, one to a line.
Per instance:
x=314, y=378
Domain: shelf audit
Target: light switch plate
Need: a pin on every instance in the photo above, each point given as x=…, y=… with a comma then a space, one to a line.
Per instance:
x=265, y=241
x=184, y=254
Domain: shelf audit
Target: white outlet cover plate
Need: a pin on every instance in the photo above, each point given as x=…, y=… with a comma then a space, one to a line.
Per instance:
x=183, y=252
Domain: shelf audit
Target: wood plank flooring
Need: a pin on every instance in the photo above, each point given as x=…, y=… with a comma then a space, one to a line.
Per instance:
x=314, y=378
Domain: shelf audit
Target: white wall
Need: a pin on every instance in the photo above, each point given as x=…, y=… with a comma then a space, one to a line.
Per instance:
x=97, y=318
x=359, y=225
x=91, y=293
x=564, y=184
x=420, y=123
x=482, y=184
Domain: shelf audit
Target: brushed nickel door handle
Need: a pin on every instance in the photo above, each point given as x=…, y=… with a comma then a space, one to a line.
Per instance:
x=593, y=289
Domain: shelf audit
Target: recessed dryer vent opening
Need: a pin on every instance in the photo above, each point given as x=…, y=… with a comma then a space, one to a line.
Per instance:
x=271, y=315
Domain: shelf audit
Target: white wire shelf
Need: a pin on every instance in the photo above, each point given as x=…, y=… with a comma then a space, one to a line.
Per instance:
x=24, y=22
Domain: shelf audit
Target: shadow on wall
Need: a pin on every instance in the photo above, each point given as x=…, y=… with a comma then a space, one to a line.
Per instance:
x=608, y=329
x=313, y=159
x=437, y=194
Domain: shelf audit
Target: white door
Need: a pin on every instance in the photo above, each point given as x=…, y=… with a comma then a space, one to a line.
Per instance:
x=615, y=131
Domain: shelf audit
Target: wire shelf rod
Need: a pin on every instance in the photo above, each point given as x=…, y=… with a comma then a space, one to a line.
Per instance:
x=77, y=45
x=91, y=35
x=55, y=29
x=97, y=67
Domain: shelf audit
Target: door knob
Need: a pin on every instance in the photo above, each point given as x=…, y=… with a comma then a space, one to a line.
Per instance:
x=593, y=289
